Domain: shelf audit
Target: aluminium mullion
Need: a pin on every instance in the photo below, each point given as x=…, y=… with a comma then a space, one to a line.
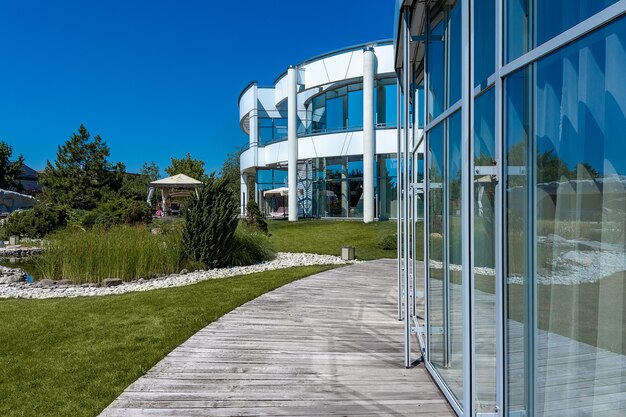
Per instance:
x=499, y=215
x=467, y=202
x=405, y=79
x=426, y=226
x=446, y=197
x=399, y=197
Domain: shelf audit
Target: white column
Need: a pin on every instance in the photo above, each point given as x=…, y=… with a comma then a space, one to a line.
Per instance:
x=292, y=140
x=369, y=134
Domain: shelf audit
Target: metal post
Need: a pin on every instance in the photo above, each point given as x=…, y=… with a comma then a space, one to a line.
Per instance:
x=405, y=88
x=467, y=205
x=499, y=224
x=399, y=196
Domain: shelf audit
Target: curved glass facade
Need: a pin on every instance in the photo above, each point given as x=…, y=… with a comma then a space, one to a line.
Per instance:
x=341, y=108
x=525, y=272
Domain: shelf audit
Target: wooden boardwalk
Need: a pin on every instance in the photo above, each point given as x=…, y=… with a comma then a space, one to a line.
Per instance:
x=329, y=344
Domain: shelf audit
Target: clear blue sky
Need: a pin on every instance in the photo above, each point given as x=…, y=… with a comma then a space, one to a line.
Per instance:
x=157, y=78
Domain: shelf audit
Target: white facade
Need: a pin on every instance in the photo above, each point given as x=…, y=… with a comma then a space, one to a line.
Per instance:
x=321, y=113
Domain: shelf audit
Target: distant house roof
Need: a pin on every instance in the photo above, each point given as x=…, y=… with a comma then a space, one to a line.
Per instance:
x=28, y=174
x=29, y=180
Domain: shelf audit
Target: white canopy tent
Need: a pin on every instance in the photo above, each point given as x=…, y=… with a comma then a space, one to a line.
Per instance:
x=176, y=185
x=278, y=209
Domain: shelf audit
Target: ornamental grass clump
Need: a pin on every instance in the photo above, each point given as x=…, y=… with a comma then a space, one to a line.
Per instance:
x=126, y=252
x=210, y=224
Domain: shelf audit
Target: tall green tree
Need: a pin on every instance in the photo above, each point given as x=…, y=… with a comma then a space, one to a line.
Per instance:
x=230, y=172
x=151, y=171
x=82, y=175
x=10, y=170
x=188, y=166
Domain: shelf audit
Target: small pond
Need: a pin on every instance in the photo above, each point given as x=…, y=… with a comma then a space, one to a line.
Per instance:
x=27, y=264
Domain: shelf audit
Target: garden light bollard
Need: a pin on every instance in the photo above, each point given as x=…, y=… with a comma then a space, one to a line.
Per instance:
x=347, y=253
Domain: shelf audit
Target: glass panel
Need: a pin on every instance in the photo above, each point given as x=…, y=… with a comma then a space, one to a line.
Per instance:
x=436, y=228
x=551, y=18
x=454, y=63
x=518, y=288
x=452, y=368
x=280, y=129
x=387, y=192
x=580, y=247
x=484, y=254
x=355, y=198
x=318, y=114
x=335, y=199
x=554, y=17
x=484, y=40
x=516, y=28
x=335, y=168
x=355, y=109
x=435, y=72
x=334, y=113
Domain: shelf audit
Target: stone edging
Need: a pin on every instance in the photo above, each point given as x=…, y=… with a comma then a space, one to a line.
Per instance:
x=61, y=289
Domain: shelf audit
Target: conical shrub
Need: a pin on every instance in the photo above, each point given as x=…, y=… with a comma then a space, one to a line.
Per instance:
x=210, y=224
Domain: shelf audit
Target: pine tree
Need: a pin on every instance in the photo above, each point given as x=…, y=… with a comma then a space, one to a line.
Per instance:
x=10, y=170
x=81, y=177
x=210, y=224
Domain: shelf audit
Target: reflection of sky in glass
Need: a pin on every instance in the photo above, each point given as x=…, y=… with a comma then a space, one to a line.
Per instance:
x=581, y=106
x=435, y=73
x=455, y=41
x=484, y=120
x=484, y=41
x=556, y=16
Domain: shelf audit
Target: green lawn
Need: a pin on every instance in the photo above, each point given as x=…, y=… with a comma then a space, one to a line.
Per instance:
x=72, y=357
x=328, y=236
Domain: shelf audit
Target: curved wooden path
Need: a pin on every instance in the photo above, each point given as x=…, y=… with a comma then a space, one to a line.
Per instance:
x=329, y=344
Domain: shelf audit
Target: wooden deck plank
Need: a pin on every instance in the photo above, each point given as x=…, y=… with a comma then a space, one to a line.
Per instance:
x=326, y=345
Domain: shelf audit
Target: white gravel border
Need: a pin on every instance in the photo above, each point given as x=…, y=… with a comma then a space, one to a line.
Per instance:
x=283, y=260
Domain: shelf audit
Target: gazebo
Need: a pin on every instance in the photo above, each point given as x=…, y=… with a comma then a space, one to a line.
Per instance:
x=179, y=185
x=276, y=207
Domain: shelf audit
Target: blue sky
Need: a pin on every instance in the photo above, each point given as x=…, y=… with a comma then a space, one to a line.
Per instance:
x=157, y=78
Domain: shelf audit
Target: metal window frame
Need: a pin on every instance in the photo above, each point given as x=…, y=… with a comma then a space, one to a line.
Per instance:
x=470, y=93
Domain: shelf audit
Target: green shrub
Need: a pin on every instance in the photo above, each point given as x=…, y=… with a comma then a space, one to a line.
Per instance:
x=255, y=217
x=389, y=242
x=118, y=211
x=210, y=224
x=36, y=222
x=250, y=246
x=126, y=252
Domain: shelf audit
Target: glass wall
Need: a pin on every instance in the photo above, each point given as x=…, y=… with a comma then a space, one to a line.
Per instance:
x=272, y=129
x=269, y=179
x=540, y=295
x=551, y=18
x=341, y=108
x=566, y=212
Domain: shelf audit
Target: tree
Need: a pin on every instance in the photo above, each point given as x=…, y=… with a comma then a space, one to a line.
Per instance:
x=188, y=166
x=82, y=176
x=151, y=171
x=230, y=172
x=210, y=224
x=135, y=186
x=10, y=171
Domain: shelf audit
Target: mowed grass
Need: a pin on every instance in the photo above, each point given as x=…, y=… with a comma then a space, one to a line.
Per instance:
x=72, y=357
x=328, y=236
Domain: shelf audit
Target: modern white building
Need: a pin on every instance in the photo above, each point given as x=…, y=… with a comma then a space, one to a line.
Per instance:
x=323, y=138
